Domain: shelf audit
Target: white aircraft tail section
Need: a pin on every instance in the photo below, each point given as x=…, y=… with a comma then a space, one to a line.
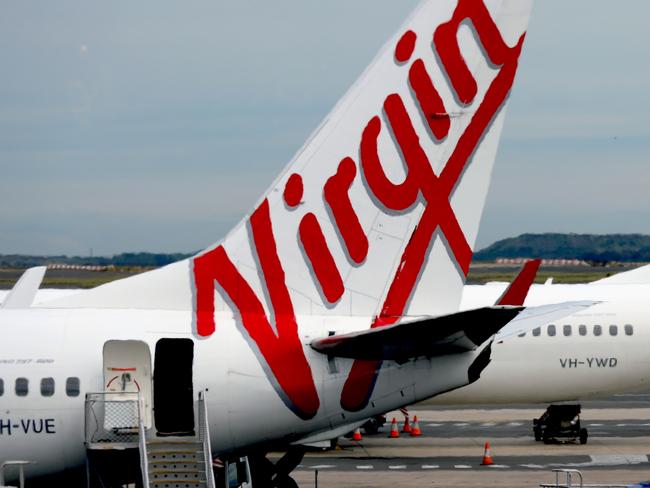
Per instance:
x=376, y=216
x=378, y=213
x=24, y=291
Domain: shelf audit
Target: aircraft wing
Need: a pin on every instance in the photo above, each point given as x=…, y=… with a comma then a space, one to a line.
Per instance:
x=534, y=317
x=431, y=336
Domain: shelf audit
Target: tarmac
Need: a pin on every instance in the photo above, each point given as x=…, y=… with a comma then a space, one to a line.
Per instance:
x=450, y=450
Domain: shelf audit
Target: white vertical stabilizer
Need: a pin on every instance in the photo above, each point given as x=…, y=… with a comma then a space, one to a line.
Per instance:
x=24, y=291
x=378, y=213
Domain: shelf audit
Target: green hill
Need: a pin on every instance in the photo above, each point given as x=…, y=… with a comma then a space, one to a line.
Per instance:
x=141, y=259
x=587, y=247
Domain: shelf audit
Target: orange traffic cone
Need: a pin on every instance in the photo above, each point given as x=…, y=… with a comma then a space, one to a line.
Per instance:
x=415, y=428
x=394, y=431
x=407, y=426
x=487, y=456
x=357, y=435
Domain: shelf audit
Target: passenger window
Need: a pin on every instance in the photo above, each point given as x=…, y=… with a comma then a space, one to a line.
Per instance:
x=629, y=330
x=22, y=386
x=2, y=387
x=613, y=330
x=567, y=330
x=582, y=330
x=523, y=334
x=598, y=330
x=47, y=387
x=537, y=331
x=551, y=330
x=72, y=387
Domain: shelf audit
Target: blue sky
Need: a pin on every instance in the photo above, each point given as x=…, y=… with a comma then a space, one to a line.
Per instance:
x=154, y=125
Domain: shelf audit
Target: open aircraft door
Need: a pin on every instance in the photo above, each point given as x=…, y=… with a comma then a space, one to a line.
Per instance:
x=173, y=387
x=127, y=369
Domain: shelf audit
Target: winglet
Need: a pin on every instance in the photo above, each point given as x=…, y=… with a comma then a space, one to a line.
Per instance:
x=516, y=293
x=23, y=293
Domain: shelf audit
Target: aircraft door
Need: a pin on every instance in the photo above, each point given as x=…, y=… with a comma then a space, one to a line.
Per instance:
x=173, y=387
x=127, y=368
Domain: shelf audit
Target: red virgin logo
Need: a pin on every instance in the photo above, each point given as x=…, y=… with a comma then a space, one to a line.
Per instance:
x=282, y=354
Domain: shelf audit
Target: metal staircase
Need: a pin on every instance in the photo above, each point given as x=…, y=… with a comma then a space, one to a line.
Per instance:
x=115, y=428
x=177, y=464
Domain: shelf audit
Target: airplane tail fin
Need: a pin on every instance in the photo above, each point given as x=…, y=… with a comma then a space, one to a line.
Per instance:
x=24, y=291
x=517, y=291
x=377, y=215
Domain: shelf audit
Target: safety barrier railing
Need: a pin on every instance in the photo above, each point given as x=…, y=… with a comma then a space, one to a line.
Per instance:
x=113, y=420
x=21, y=471
x=570, y=473
x=204, y=437
x=142, y=438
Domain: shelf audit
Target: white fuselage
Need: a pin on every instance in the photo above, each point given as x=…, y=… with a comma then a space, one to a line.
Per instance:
x=567, y=365
x=244, y=408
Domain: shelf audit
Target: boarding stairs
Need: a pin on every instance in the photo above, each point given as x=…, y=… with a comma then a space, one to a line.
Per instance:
x=116, y=435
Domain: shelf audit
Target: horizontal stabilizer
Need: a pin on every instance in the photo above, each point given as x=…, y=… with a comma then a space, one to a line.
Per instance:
x=23, y=293
x=435, y=336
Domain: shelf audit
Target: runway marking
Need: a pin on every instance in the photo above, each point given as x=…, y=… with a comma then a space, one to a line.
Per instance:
x=462, y=466
x=595, y=425
x=515, y=424
x=533, y=466
x=461, y=424
x=488, y=424
x=401, y=466
x=610, y=460
x=430, y=466
x=367, y=466
x=434, y=425
x=323, y=466
x=499, y=466
x=614, y=459
x=621, y=425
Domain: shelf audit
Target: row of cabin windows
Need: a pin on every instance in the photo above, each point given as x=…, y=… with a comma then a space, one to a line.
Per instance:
x=567, y=330
x=21, y=387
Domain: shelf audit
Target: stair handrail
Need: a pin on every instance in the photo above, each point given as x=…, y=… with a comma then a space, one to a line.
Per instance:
x=204, y=432
x=142, y=442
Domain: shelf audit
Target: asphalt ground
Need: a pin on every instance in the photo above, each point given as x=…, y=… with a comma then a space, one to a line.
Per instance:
x=450, y=450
